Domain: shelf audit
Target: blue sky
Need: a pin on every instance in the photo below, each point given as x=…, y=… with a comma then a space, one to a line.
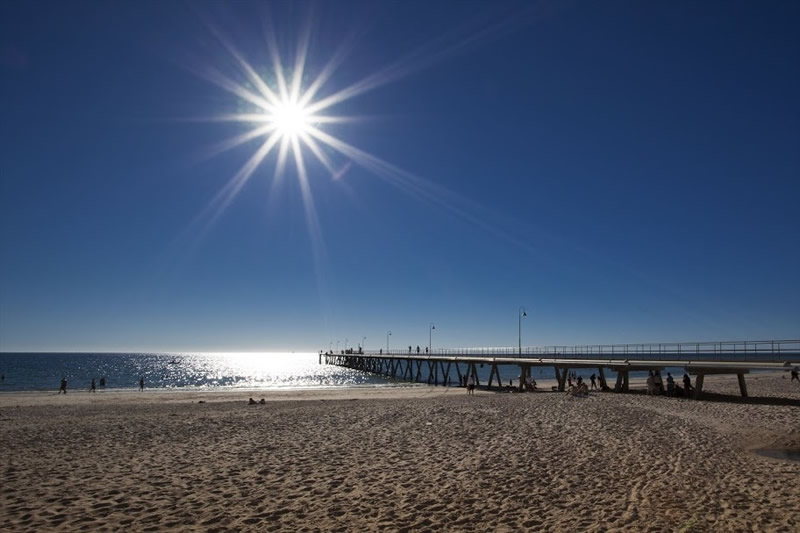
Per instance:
x=628, y=172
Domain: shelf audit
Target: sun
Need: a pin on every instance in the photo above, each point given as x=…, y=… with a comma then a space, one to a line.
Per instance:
x=290, y=119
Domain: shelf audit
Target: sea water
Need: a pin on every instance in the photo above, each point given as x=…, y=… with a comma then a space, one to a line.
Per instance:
x=44, y=371
x=285, y=371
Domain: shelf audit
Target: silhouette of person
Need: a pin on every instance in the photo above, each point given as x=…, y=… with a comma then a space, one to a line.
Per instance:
x=103, y=381
x=141, y=383
x=63, y=386
x=93, y=386
x=417, y=348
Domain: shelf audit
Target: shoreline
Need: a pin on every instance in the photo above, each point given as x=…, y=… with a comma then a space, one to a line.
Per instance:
x=363, y=392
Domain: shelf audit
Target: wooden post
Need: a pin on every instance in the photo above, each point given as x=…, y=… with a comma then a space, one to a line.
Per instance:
x=603, y=384
x=458, y=371
x=698, y=386
x=742, y=385
x=625, y=381
x=446, y=373
x=475, y=375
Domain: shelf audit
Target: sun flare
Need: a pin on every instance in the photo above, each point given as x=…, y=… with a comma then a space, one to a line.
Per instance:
x=290, y=119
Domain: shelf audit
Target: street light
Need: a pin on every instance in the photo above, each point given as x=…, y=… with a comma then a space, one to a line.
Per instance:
x=387, y=340
x=430, y=334
x=522, y=313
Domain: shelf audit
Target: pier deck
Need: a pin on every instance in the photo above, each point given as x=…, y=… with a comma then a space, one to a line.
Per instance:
x=697, y=359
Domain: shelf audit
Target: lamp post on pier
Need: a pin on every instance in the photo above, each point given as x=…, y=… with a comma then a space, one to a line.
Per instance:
x=430, y=336
x=363, y=343
x=388, y=333
x=522, y=313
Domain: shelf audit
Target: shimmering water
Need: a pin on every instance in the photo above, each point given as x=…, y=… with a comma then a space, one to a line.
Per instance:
x=43, y=371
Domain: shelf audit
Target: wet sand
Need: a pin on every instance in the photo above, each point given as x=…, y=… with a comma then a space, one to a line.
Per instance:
x=402, y=459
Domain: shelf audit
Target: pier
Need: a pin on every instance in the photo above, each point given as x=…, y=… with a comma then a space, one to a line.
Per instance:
x=698, y=359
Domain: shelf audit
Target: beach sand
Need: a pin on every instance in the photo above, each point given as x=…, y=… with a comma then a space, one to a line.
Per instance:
x=400, y=459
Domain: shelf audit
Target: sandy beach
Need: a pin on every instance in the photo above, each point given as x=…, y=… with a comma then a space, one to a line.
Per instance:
x=401, y=459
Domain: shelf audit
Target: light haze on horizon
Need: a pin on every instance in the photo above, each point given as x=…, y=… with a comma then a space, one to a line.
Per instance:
x=626, y=172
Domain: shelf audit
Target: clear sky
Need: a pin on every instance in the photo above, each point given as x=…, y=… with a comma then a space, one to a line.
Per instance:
x=626, y=171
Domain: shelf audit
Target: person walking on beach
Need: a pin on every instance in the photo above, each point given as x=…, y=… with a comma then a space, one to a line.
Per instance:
x=687, y=385
x=593, y=379
x=794, y=375
x=63, y=386
x=470, y=386
x=141, y=384
x=93, y=386
x=670, y=385
x=103, y=382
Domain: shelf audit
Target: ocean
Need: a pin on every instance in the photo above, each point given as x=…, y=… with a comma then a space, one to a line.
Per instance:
x=243, y=371
x=43, y=371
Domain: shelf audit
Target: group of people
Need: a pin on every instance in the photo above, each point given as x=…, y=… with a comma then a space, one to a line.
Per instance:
x=260, y=402
x=579, y=388
x=655, y=385
x=93, y=385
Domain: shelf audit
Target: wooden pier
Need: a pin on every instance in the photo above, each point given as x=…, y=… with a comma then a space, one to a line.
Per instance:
x=697, y=359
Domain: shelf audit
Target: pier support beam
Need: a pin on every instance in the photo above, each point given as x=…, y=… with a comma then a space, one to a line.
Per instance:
x=742, y=385
x=603, y=384
x=461, y=379
x=561, y=376
x=698, y=386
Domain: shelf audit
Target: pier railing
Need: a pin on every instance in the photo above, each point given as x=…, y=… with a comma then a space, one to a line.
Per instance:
x=772, y=350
